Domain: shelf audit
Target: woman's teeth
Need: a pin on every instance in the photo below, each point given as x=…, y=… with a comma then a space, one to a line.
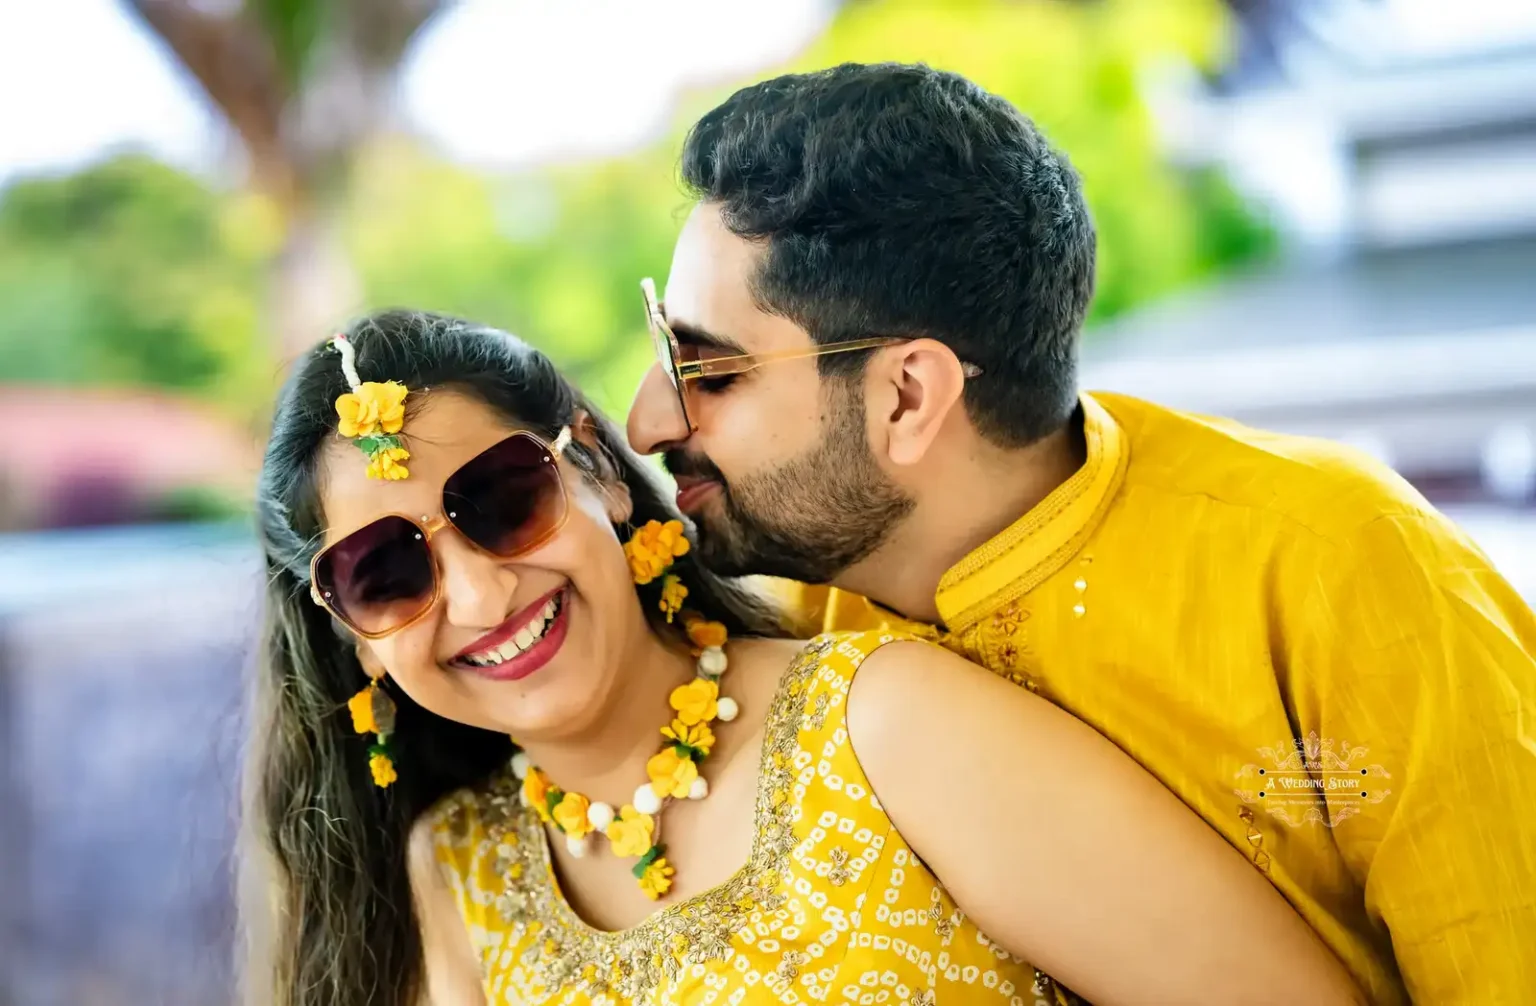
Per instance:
x=525, y=638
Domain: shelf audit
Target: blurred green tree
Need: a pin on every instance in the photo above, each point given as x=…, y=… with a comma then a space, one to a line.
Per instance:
x=304, y=84
x=133, y=272
x=124, y=274
x=1075, y=69
x=556, y=254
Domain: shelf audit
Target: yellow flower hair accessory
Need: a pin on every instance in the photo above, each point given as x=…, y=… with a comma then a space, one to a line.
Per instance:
x=372, y=415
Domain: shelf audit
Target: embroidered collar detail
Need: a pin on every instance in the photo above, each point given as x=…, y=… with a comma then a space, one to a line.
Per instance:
x=1044, y=539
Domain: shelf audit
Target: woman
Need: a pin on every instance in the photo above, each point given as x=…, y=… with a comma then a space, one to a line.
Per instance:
x=858, y=819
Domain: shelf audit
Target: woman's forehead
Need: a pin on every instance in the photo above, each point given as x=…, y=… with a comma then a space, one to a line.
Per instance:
x=443, y=431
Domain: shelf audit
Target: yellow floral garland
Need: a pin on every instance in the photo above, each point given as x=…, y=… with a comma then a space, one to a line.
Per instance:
x=673, y=772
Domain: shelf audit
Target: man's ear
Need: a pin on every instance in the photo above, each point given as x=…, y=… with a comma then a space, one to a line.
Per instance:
x=917, y=389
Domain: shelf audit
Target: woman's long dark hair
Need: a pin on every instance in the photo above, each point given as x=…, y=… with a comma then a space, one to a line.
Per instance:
x=332, y=885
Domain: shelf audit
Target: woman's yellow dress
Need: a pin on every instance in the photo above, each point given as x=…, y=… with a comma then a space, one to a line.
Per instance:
x=831, y=907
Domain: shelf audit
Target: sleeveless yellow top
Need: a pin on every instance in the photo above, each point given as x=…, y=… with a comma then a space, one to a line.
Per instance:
x=831, y=907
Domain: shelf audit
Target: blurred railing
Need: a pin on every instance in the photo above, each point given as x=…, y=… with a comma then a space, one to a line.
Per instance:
x=122, y=670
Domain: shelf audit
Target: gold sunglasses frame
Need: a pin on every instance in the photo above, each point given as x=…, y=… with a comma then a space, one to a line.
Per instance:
x=678, y=370
x=427, y=526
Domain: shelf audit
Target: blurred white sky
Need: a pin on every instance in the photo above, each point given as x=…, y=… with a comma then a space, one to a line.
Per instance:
x=1438, y=27
x=498, y=83
x=494, y=82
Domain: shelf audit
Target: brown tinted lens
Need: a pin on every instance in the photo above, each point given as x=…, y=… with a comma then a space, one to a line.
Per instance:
x=379, y=577
x=508, y=499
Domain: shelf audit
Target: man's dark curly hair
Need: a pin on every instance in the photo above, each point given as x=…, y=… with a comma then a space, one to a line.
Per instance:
x=895, y=199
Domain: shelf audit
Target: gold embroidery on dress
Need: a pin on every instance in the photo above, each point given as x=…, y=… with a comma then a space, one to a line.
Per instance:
x=1051, y=992
x=839, y=874
x=943, y=925
x=789, y=967
x=632, y=963
x=816, y=719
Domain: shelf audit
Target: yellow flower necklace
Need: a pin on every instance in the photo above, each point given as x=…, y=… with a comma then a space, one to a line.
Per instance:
x=635, y=830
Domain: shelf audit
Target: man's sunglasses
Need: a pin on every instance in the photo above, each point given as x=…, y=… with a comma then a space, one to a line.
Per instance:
x=506, y=501
x=683, y=365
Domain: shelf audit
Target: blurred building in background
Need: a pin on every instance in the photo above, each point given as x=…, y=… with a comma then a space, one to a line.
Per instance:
x=1314, y=215
x=1401, y=315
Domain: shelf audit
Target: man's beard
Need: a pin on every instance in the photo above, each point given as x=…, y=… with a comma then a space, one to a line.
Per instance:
x=809, y=519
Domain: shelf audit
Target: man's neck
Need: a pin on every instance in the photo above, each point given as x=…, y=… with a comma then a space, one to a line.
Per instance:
x=968, y=500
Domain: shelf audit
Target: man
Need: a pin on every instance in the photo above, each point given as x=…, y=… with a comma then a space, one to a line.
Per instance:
x=876, y=305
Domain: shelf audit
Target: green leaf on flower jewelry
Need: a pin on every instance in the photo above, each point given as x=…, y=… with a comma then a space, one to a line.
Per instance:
x=378, y=442
x=651, y=855
x=552, y=800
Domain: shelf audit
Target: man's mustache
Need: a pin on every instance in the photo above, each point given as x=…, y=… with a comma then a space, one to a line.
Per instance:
x=681, y=463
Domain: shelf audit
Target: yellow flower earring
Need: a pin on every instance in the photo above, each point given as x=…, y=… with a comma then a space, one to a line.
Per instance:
x=373, y=712
x=372, y=415
x=652, y=552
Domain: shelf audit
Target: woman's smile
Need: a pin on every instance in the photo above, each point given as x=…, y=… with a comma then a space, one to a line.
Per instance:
x=522, y=644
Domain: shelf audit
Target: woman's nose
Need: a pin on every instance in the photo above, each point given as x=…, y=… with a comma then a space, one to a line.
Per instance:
x=479, y=591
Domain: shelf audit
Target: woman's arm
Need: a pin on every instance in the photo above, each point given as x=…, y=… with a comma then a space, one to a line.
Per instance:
x=1066, y=852
x=452, y=971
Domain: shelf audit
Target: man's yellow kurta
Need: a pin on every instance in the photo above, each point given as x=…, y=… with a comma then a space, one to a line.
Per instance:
x=1207, y=596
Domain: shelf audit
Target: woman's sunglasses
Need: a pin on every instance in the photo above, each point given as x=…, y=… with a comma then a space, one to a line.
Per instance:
x=506, y=501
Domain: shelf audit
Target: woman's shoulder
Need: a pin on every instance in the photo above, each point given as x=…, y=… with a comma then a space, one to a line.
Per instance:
x=817, y=706
x=465, y=816
x=820, y=672
x=845, y=647
x=878, y=694
x=894, y=664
